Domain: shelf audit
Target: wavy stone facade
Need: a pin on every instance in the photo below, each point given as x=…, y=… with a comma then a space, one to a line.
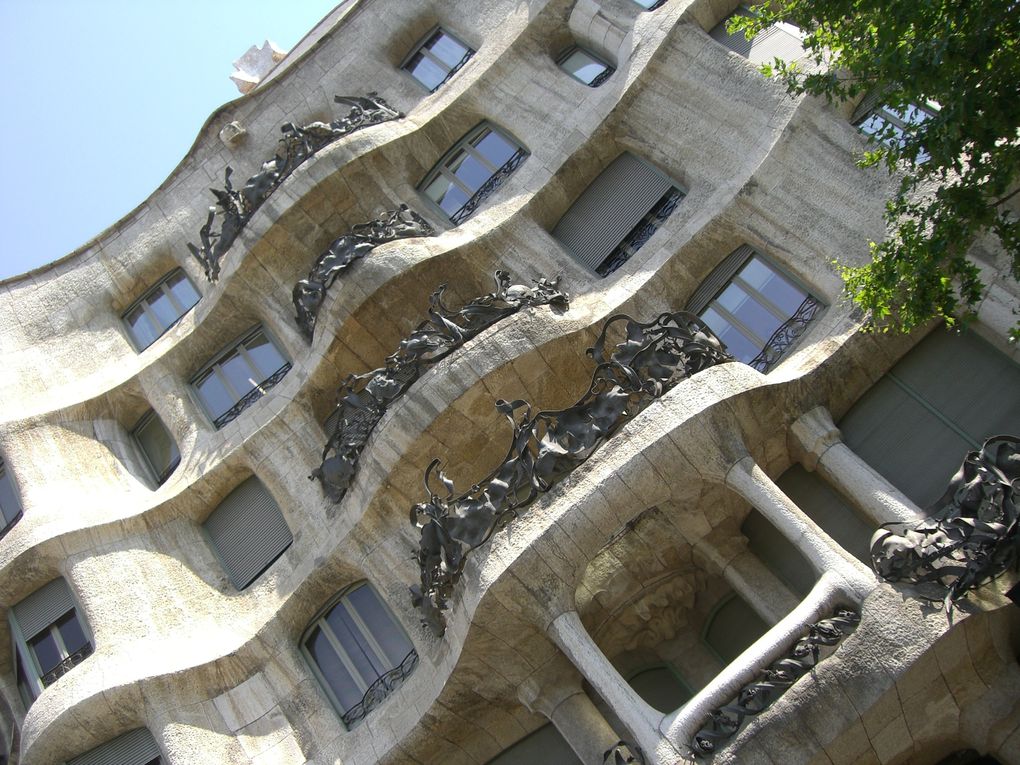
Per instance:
x=627, y=563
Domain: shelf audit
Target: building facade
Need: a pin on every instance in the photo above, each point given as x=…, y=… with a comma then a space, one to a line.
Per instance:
x=206, y=558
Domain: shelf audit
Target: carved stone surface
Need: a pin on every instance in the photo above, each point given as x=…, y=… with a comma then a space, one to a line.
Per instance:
x=548, y=445
x=298, y=144
x=310, y=293
x=972, y=535
x=759, y=695
x=363, y=399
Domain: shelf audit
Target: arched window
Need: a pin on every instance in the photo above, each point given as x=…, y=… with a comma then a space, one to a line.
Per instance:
x=160, y=308
x=434, y=60
x=358, y=652
x=585, y=67
x=732, y=628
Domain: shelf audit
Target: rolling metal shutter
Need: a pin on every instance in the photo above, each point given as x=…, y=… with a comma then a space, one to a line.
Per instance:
x=136, y=747
x=871, y=101
x=775, y=43
x=610, y=208
x=248, y=532
x=718, y=279
x=43, y=607
x=735, y=42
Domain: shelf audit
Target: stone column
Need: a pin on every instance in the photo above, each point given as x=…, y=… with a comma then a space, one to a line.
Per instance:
x=752, y=580
x=820, y=447
x=641, y=720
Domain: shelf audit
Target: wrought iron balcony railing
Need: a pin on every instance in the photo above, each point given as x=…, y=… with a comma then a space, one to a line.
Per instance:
x=252, y=396
x=786, y=335
x=459, y=65
x=641, y=233
x=490, y=186
x=66, y=665
x=380, y=689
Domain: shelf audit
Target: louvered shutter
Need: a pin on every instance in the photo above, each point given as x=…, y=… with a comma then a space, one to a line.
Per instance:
x=735, y=42
x=136, y=747
x=248, y=531
x=774, y=43
x=43, y=607
x=610, y=208
x=871, y=101
x=718, y=279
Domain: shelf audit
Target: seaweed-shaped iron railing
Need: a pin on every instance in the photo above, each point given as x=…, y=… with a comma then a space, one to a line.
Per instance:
x=547, y=445
x=758, y=695
x=972, y=535
x=363, y=399
x=785, y=335
x=297, y=145
x=310, y=293
x=384, y=685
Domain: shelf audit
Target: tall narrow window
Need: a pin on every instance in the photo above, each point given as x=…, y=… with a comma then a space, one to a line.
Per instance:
x=584, y=67
x=617, y=214
x=436, y=59
x=136, y=747
x=10, y=505
x=473, y=169
x=240, y=377
x=160, y=308
x=755, y=309
x=157, y=446
x=358, y=652
x=49, y=637
x=248, y=532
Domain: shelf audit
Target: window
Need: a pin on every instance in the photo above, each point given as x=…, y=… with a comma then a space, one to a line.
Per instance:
x=476, y=166
x=437, y=59
x=358, y=652
x=160, y=308
x=617, y=213
x=661, y=688
x=649, y=5
x=49, y=637
x=546, y=746
x=240, y=377
x=732, y=629
x=584, y=67
x=780, y=40
x=157, y=445
x=10, y=505
x=891, y=126
x=756, y=310
x=248, y=532
x=136, y=747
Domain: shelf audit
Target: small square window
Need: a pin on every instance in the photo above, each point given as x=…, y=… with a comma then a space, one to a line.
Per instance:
x=437, y=59
x=585, y=67
x=160, y=308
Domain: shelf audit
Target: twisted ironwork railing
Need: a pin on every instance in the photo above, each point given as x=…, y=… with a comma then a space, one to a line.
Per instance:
x=363, y=399
x=786, y=335
x=310, y=293
x=972, y=535
x=380, y=689
x=297, y=145
x=641, y=233
x=487, y=188
x=66, y=665
x=464, y=59
x=548, y=445
x=601, y=77
x=757, y=696
x=252, y=396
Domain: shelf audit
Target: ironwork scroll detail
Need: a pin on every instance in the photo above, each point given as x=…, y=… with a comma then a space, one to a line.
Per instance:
x=757, y=696
x=459, y=65
x=66, y=665
x=548, y=445
x=252, y=396
x=972, y=535
x=786, y=335
x=363, y=399
x=490, y=186
x=623, y=753
x=310, y=293
x=380, y=689
x=601, y=77
x=235, y=208
x=641, y=233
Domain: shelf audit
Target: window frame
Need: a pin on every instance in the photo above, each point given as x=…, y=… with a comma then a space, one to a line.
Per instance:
x=214, y=367
x=653, y=5
x=466, y=144
x=420, y=47
x=150, y=315
x=5, y=476
x=144, y=421
x=907, y=130
x=598, y=79
x=319, y=622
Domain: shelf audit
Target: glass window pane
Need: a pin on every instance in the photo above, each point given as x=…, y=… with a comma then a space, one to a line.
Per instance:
x=773, y=286
x=333, y=670
x=158, y=445
x=71, y=632
x=162, y=309
x=444, y=193
x=582, y=66
x=660, y=688
x=446, y=49
x=265, y=355
x=46, y=651
x=239, y=374
x=749, y=311
x=141, y=328
x=10, y=506
x=368, y=665
x=426, y=71
x=470, y=170
x=381, y=624
x=183, y=290
x=736, y=342
x=495, y=148
x=215, y=397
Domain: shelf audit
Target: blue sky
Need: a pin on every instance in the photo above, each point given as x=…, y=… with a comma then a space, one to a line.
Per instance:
x=102, y=98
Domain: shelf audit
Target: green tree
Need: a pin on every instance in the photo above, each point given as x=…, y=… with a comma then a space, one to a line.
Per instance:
x=960, y=165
